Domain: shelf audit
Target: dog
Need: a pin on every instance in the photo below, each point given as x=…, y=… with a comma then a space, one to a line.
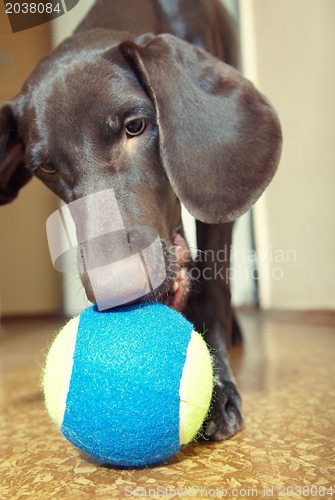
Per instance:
x=144, y=98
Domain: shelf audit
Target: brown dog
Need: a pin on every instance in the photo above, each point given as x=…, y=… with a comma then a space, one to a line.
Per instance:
x=160, y=120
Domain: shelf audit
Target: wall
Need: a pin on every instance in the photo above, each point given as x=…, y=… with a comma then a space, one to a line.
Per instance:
x=288, y=51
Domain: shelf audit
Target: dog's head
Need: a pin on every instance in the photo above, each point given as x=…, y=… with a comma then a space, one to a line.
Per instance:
x=154, y=118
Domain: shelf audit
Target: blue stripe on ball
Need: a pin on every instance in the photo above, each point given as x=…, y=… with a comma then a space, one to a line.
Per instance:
x=123, y=401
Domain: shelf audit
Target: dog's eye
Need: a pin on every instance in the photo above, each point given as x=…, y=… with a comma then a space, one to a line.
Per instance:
x=135, y=127
x=47, y=169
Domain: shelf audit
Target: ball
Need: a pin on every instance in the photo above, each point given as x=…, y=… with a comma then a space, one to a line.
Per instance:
x=129, y=386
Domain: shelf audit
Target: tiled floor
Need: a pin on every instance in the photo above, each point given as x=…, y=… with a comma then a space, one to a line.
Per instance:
x=286, y=374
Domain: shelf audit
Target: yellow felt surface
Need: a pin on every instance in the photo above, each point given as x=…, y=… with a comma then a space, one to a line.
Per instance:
x=58, y=368
x=196, y=388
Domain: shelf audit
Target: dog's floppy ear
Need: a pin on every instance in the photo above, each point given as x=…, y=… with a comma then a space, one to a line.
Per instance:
x=13, y=174
x=220, y=139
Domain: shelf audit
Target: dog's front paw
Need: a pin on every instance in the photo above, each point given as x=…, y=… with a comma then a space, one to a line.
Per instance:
x=226, y=417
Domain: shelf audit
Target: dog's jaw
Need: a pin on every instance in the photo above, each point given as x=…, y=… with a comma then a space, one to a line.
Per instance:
x=178, y=290
x=180, y=286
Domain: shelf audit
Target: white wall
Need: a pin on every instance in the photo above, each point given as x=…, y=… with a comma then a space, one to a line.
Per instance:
x=288, y=51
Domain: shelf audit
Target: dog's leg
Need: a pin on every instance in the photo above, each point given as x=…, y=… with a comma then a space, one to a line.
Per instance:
x=209, y=308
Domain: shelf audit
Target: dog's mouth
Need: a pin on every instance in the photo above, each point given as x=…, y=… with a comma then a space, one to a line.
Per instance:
x=179, y=283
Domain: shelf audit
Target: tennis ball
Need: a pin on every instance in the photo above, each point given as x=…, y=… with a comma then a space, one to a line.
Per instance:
x=129, y=386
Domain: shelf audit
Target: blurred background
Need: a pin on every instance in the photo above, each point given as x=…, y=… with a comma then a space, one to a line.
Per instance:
x=283, y=254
